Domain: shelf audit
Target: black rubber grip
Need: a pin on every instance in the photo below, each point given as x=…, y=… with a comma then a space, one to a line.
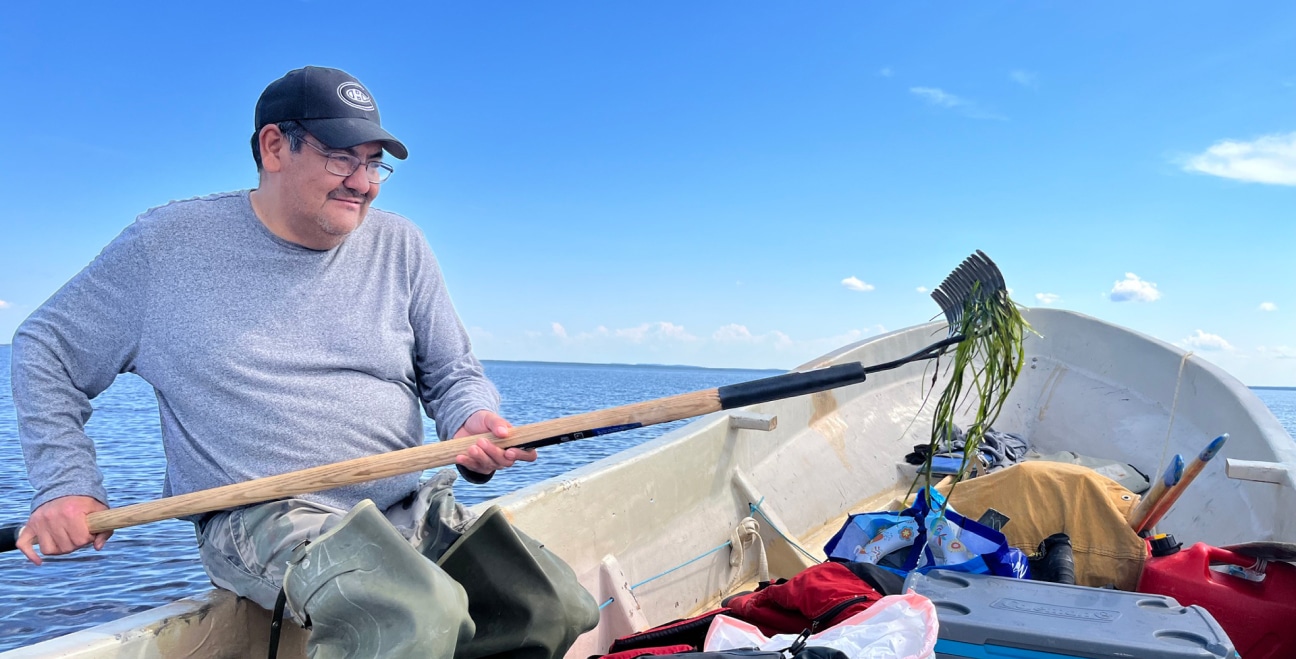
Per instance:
x=789, y=385
x=9, y=538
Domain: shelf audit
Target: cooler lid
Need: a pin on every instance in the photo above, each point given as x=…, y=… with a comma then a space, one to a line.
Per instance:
x=1074, y=621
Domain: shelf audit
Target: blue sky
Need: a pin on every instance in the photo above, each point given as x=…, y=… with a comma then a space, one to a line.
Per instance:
x=714, y=183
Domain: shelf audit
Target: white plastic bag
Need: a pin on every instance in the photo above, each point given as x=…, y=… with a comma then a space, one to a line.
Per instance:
x=895, y=627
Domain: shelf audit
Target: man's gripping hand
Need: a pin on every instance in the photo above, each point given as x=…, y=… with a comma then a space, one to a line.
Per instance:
x=485, y=457
x=59, y=527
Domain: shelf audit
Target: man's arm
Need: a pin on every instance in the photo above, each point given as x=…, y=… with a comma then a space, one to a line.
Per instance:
x=66, y=353
x=452, y=384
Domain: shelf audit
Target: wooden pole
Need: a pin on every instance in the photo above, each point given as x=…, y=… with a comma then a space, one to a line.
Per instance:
x=1174, y=472
x=419, y=458
x=1190, y=472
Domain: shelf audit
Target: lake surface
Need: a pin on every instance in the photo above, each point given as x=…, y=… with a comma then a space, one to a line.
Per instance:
x=151, y=565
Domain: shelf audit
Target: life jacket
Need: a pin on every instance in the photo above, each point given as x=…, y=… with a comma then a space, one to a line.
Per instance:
x=816, y=599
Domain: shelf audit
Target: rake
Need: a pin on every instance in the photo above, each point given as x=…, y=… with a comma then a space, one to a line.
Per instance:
x=976, y=279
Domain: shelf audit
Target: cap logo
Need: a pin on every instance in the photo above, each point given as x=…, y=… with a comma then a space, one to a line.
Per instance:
x=354, y=95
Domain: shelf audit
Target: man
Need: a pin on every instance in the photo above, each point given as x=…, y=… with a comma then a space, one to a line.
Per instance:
x=282, y=328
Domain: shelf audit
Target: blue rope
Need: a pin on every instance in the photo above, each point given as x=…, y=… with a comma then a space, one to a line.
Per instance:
x=654, y=578
x=690, y=561
x=756, y=508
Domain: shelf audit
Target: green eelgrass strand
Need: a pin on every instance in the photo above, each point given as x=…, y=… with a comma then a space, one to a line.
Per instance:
x=984, y=368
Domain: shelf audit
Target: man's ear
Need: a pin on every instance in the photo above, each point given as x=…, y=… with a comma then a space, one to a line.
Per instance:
x=274, y=148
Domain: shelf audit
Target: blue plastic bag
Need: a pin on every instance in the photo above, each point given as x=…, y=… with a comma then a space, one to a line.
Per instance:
x=950, y=541
x=867, y=537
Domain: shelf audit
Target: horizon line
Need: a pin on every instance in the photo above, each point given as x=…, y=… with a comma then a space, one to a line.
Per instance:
x=635, y=365
x=1269, y=387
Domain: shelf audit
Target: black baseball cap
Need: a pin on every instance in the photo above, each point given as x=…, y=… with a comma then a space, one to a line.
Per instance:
x=331, y=104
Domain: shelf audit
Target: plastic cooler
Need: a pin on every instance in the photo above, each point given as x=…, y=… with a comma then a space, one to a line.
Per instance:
x=1260, y=616
x=984, y=616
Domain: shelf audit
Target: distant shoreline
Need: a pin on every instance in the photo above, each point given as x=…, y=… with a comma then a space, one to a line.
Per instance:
x=684, y=367
x=676, y=367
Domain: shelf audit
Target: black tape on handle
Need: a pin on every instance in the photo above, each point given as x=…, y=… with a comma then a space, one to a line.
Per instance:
x=789, y=385
x=9, y=537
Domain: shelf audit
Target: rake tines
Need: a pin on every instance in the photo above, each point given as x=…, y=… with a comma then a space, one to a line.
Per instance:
x=961, y=286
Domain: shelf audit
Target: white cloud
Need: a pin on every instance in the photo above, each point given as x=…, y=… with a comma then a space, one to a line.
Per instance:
x=732, y=332
x=4, y=305
x=1133, y=289
x=1269, y=159
x=937, y=97
x=1047, y=298
x=1024, y=78
x=922, y=289
x=659, y=331
x=856, y=285
x=559, y=331
x=780, y=339
x=886, y=72
x=1268, y=306
x=1202, y=341
x=943, y=99
x=1283, y=352
x=735, y=333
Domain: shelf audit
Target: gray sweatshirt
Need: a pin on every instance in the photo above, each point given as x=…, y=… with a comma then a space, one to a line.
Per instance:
x=266, y=356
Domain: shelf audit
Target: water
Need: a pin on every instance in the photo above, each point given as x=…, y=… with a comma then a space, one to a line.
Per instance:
x=153, y=564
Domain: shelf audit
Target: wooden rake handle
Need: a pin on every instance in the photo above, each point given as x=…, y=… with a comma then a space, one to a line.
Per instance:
x=404, y=461
x=429, y=456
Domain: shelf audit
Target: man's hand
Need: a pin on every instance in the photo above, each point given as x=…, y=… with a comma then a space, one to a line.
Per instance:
x=59, y=527
x=485, y=457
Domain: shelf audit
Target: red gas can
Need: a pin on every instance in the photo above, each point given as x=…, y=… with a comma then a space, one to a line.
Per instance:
x=1259, y=616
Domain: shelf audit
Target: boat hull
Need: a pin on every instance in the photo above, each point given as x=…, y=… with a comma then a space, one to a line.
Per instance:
x=637, y=527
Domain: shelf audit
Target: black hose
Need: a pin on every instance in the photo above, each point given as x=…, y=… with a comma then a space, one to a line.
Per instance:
x=1055, y=561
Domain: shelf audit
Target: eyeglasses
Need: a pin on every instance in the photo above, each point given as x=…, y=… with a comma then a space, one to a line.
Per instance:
x=345, y=164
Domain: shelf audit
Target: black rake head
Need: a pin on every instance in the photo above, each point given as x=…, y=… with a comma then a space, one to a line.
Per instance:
x=961, y=285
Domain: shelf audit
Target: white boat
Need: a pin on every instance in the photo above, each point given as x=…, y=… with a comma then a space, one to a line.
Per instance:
x=655, y=509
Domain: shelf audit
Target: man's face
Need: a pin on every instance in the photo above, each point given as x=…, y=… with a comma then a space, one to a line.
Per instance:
x=322, y=204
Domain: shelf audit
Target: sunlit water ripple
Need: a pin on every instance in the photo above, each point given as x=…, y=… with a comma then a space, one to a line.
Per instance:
x=150, y=565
